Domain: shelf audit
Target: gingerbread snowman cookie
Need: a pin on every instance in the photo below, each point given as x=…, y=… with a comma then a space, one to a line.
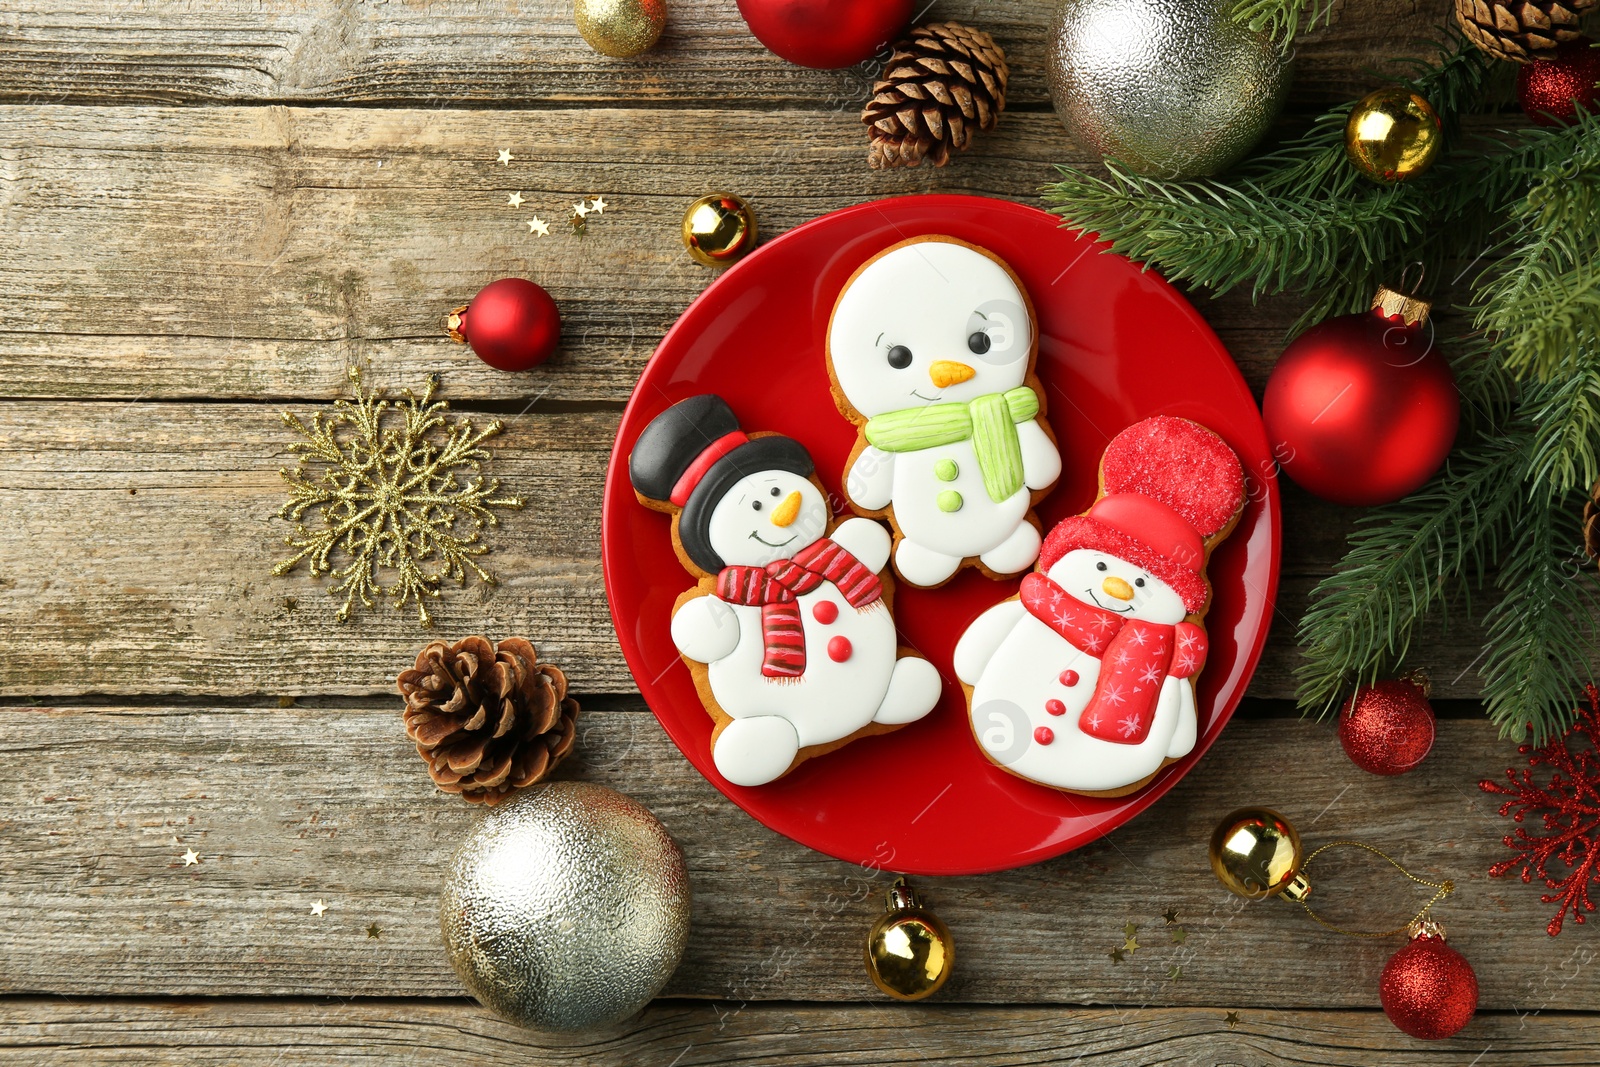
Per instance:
x=930, y=351
x=788, y=631
x=1085, y=680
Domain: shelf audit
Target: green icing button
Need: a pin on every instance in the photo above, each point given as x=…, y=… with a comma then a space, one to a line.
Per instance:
x=949, y=500
x=946, y=470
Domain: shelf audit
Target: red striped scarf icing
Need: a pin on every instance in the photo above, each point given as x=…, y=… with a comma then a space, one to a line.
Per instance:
x=1135, y=658
x=777, y=588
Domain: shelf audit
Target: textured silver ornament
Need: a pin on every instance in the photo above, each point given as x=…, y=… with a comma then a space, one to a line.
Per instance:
x=1171, y=88
x=566, y=908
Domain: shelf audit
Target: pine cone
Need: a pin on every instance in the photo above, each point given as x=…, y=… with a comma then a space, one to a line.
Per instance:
x=1591, y=523
x=942, y=82
x=1521, y=30
x=487, y=719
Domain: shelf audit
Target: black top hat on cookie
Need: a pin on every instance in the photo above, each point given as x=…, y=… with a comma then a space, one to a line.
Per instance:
x=692, y=454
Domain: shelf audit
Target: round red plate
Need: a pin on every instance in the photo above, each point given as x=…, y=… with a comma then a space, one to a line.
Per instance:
x=1116, y=345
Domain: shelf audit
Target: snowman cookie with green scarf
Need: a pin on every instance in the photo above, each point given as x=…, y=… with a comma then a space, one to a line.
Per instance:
x=931, y=352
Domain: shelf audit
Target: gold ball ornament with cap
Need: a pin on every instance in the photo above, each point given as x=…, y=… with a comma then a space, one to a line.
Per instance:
x=1256, y=853
x=1392, y=135
x=620, y=28
x=909, y=950
x=718, y=229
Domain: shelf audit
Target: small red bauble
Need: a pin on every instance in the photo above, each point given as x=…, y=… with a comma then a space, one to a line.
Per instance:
x=826, y=33
x=1428, y=989
x=1387, y=728
x=1552, y=90
x=1362, y=409
x=512, y=324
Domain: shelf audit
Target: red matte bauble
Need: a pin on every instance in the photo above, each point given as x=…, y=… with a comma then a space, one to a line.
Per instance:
x=1362, y=409
x=1552, y=90
x=512, y=324
x=1387, y=728
x=826, y=33
x=1428, y=989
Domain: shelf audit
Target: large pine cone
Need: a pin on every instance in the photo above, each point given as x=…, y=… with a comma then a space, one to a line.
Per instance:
x=487, y=718
x=942, y=84
x=1521, y=30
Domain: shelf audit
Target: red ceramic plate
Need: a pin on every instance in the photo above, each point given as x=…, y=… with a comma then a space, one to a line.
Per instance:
x=1116, y=345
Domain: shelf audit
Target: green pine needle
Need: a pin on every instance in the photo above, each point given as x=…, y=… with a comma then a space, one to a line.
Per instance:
x=1280, y=19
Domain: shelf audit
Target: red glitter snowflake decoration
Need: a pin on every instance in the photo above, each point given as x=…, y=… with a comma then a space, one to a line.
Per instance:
x=1570, y=808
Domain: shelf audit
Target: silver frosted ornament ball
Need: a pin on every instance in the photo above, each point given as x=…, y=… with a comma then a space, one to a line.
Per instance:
x=1171, y=88
x=566, y=908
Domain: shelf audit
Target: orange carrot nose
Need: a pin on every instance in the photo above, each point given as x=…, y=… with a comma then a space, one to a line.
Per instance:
x=1118, y=588
x=789, y=508
x=947, y=372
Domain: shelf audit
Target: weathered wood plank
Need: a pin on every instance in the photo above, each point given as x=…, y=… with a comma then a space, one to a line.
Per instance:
x=513, y=52
x=310, y=1033
x=141, y=540
x=288, y=806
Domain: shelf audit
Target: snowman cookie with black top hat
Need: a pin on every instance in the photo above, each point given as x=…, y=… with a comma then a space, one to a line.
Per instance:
x=1085, y=680
x=931, y=350
x=788, y=632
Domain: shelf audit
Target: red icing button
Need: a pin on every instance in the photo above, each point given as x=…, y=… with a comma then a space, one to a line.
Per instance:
x=1044, y=735
x=825, y=611
x=839, y=648
x=1068, y=677
x=1055, y=707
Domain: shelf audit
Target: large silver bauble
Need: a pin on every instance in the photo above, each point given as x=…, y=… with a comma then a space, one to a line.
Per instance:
x=1171, y=88
x=566, y=908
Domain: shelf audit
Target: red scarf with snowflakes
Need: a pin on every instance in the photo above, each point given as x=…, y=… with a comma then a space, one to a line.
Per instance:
x=1135, y=658
x=777, y=588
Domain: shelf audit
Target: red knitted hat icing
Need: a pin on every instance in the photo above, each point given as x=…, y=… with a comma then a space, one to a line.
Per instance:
x=1189, y=476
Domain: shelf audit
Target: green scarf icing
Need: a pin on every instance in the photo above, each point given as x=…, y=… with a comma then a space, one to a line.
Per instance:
x=989, y=422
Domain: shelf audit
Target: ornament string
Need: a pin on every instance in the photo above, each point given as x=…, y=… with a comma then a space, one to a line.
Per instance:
x=1441, y=890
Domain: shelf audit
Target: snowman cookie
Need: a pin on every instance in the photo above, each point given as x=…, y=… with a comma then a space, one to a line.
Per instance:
x=788, y=632
x=930, y=350
x=1085, y=680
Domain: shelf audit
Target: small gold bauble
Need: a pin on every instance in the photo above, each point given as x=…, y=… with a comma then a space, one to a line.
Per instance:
x=620, y=28
x=1255, y=852
x=1392, y=135
x=718, y=229
x=909, y=951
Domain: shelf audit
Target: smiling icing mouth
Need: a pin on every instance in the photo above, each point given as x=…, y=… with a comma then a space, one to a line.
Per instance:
x=771, y=544
x=1120, y=611
x=929, y=399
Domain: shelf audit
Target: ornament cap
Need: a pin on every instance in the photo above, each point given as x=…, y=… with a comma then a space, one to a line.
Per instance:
x=902, y=897
x=454, y=324
x=1393, y=304
x=1427, y=927
x=1297, y=888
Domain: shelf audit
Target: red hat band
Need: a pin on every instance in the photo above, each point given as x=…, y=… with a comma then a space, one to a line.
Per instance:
x=1153, y=523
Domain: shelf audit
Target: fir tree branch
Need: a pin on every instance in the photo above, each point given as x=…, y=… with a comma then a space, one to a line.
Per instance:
x=1281, y=18
x=1566, y=419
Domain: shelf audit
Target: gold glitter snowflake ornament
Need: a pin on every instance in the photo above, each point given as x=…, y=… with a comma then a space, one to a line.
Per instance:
x=378, y=478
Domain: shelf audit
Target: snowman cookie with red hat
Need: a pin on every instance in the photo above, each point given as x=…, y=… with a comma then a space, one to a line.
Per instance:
x=1085, y=680
x=788, y=632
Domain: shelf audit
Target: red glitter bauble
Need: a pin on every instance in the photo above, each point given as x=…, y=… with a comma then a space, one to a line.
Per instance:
x=1552, y=90
x=1387, y=728
x=1428, y=989
x=511, y=324
x=826, y=33
x=1362, y=409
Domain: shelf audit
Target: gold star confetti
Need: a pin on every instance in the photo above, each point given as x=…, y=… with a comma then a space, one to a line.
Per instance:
x=1178, y=934
x=318, y=908
x=1174, y=973
x=1232, y=1019
x=1131, y=945
x=393, y=485
x=1171, y=916
x=539, y=226
x=1116, y=955
x=515, y=199
x=505, y=155
x=190, y=858
x=580, y=209
x=373, y=931
x=1130, y=930
x=598, y=206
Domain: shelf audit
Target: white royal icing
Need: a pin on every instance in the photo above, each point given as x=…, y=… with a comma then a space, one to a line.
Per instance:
x=1014, y=663
x=929, y=297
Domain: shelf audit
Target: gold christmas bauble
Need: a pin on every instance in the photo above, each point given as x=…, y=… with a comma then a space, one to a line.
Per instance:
x=1392, y=135
x=620, y=28
x=1255, y=852
x=718, y=228
x=909, y=950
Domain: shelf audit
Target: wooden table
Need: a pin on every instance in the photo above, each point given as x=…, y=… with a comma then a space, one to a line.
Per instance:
x=209, y=210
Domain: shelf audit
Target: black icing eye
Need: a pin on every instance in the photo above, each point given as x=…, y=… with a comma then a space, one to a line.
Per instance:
x=978, y=343
x=899, y=357
x=1100, y=566
x=776, y=490
x=756, y=504
x=1139, y=582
